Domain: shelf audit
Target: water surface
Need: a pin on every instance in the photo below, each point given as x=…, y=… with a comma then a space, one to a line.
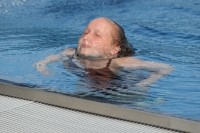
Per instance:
x=163, y=31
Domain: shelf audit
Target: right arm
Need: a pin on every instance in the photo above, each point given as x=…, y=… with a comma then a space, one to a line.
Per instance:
x=64, y=55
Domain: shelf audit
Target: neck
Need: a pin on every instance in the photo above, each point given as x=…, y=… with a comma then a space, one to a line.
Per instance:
x=93, y=58
x=93, y=63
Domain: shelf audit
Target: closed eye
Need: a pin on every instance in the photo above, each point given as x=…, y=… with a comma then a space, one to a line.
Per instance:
x=97, y=34
x=85, y=33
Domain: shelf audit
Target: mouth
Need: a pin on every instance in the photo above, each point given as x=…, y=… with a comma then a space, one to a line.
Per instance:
x=85, y=46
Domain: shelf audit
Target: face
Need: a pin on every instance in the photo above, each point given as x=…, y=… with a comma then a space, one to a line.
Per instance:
x=97, y=41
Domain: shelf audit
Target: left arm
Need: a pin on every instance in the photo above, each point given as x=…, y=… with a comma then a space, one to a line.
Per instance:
x=160, y=69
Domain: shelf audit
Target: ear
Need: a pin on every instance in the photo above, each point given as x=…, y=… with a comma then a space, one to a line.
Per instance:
x=115, y=50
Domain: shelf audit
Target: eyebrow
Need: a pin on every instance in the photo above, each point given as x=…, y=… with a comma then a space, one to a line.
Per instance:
x=94, y=30
x=98, y=31
x=86, y=29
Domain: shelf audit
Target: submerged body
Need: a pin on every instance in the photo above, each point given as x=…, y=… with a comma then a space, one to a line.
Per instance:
x=101, y=78
x=103, y=48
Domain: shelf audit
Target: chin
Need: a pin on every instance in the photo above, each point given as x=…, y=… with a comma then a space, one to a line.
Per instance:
x=88, y=56
x=82, y=55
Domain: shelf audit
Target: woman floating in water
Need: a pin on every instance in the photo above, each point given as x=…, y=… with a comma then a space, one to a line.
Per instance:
x=103, y=50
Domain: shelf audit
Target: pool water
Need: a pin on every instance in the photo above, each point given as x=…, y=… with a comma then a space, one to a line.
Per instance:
x=163, y=31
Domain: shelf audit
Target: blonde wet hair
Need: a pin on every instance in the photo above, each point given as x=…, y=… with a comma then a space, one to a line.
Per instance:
x=120, y=39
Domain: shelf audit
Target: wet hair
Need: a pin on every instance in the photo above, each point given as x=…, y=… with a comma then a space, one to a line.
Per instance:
x=126, y=48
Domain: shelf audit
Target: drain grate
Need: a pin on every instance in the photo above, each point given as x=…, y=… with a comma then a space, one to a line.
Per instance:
x=19, y=116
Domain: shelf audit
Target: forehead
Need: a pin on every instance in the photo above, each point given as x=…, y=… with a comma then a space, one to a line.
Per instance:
x=101, y=25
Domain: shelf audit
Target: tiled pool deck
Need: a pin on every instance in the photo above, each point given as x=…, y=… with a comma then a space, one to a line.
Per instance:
x=39, y=111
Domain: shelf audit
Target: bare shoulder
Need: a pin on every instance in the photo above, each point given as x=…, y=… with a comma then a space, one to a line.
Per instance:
x=126, y=61
x=147, y=64
x=137, y=63
x=68, y=52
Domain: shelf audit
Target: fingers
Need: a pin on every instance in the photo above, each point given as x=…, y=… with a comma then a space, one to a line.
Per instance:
x=42, y=68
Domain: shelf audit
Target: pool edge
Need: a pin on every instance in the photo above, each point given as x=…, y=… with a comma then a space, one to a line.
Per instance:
x=112, y=111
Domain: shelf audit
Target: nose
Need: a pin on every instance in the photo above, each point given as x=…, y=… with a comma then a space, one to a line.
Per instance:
x=86, y=36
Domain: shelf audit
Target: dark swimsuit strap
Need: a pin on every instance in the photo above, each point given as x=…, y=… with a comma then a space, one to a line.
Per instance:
x=109, y=62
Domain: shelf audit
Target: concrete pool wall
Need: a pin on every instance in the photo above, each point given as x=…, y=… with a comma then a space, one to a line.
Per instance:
x=101, y=109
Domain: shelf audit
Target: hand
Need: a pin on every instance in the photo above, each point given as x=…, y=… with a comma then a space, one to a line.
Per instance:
x=41, y=67
x=143, y=83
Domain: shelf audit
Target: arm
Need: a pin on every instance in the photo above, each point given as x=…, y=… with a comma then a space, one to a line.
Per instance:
x=160, y=69
x=64, y=55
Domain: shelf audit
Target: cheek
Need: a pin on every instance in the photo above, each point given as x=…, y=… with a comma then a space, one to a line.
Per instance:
x=98, y=43
x=97, y=40
x=106, y=45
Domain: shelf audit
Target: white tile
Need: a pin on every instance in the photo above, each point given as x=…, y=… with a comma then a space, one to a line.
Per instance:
x=33, y=117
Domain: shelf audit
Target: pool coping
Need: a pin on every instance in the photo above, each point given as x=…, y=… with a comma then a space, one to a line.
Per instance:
x=102, y=109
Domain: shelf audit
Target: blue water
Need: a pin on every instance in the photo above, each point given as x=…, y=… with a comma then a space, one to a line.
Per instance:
x=165, y=31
